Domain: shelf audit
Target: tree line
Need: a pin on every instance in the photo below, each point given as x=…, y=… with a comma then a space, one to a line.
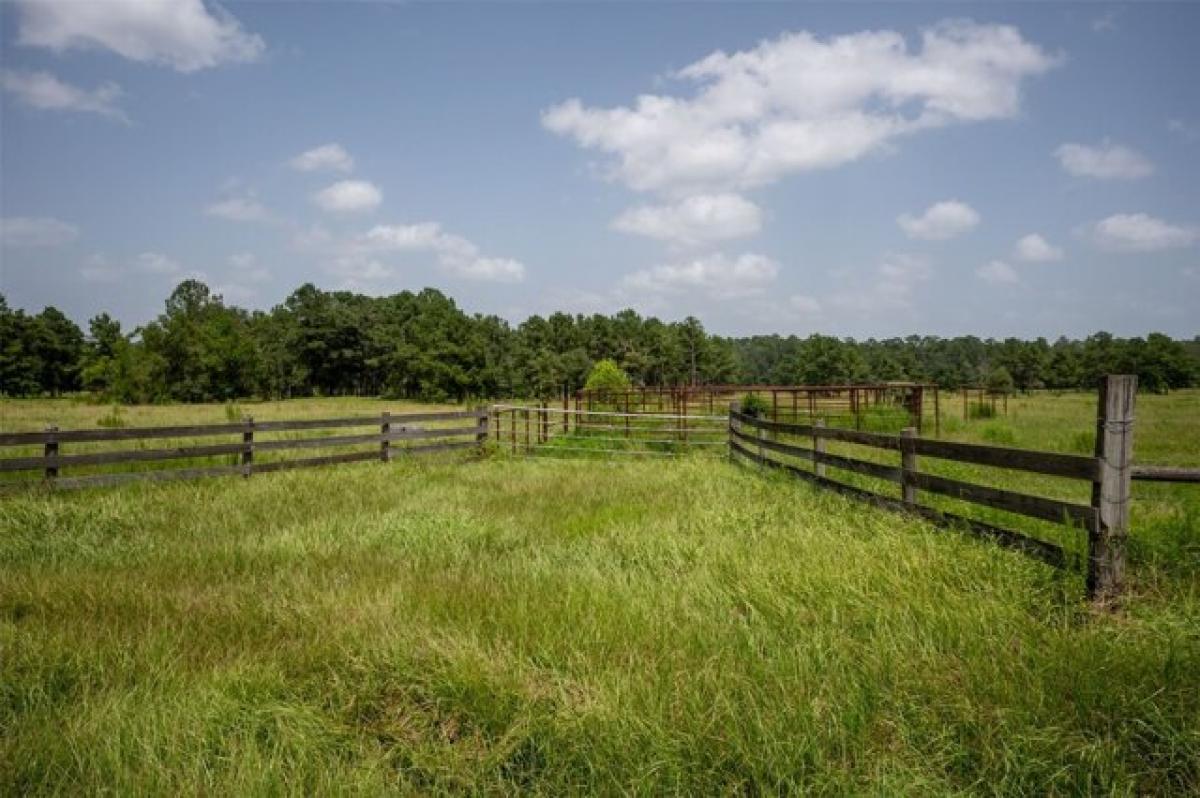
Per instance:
x=423, y=346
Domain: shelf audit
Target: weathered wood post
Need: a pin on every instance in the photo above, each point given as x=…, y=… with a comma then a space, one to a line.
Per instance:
x=248, y=443
x=1111, y=492
x=818, y=447
x=49, y=451
x=908, y=464
x=484, y=416
x=937, y=414
x=385, y=429
x=734, y=407
x=566, y=410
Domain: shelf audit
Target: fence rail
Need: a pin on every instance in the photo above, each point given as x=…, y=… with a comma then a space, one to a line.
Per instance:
x=1109, y=472
x=391, y=429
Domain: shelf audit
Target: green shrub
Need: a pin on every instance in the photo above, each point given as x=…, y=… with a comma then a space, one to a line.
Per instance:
x=607, y=377
x=754, y=405
x=114, y=418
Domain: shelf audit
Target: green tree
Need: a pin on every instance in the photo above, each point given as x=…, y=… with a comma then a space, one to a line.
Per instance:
x=607, y=378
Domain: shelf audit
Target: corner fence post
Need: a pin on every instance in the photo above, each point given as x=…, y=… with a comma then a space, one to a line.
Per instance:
x=818, y=447
x=248, y=446
x=908, y=465
x=385, y=429
x=1111, y=493
x=51, y=451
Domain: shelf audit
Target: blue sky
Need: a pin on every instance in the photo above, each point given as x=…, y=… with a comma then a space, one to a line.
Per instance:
x=853, y=169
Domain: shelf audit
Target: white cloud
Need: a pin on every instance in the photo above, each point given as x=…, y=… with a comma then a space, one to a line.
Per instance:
x=44, y=91
x=715, y=275
x=799, y=103
x=1106, y=161
x=997, y=272
x=239, y=209
x=888, y=288
x=156, y=263
x=455, y=254
x=184, y=34
x=36, y=231
x=940, y=221
x=1139, y=232
x=1035, y=249
x=349, y=196
x=695, y=220
x=1191, y=272
x=326, y=157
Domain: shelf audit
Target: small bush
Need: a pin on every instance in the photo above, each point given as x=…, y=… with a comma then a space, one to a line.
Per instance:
x=114, y=418
x=607, y=377
x=754, y=405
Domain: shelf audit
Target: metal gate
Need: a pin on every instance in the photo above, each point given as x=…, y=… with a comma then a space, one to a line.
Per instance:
x=546, y=431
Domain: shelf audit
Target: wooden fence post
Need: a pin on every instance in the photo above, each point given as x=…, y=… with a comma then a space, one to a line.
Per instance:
x=818, y=447
x=1111, y=494
x=483, y=419
x=385, y=429
x=248, y=442
x=734, y=407
x=937, y=414
x=908, y=464
x=51, y=450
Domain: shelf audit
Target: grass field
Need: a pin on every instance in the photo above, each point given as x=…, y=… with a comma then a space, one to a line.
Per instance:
x=556, y=627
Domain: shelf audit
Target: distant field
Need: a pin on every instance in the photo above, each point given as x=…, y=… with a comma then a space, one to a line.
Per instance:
x=541, y=626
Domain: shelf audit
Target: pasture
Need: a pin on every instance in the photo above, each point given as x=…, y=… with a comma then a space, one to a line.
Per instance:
x=518, y=625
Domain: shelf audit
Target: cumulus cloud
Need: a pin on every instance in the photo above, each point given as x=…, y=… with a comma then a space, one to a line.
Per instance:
x=940, y=221
x=1035, y=249
x=36, y=231
x=695, y=220
x=997, y=272
x=798, y=103
x=1105, y=161
x=715, y=275
x=455, y=255
x=184, y=34
x=46, y=92
x=331, y=157
x=1140, y=232
x=349, y=196
x=239, y=209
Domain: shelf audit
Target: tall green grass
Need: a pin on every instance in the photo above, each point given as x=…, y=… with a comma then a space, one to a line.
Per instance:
x=520, y=626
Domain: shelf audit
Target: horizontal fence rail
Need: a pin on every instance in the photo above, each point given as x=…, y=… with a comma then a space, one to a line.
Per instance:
x=390, y=429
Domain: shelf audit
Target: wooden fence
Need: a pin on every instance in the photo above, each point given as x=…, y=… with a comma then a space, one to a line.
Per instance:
x=249, y=441
x=1110, y=471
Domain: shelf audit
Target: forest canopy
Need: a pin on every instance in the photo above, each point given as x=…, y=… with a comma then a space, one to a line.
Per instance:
x=423, y=346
